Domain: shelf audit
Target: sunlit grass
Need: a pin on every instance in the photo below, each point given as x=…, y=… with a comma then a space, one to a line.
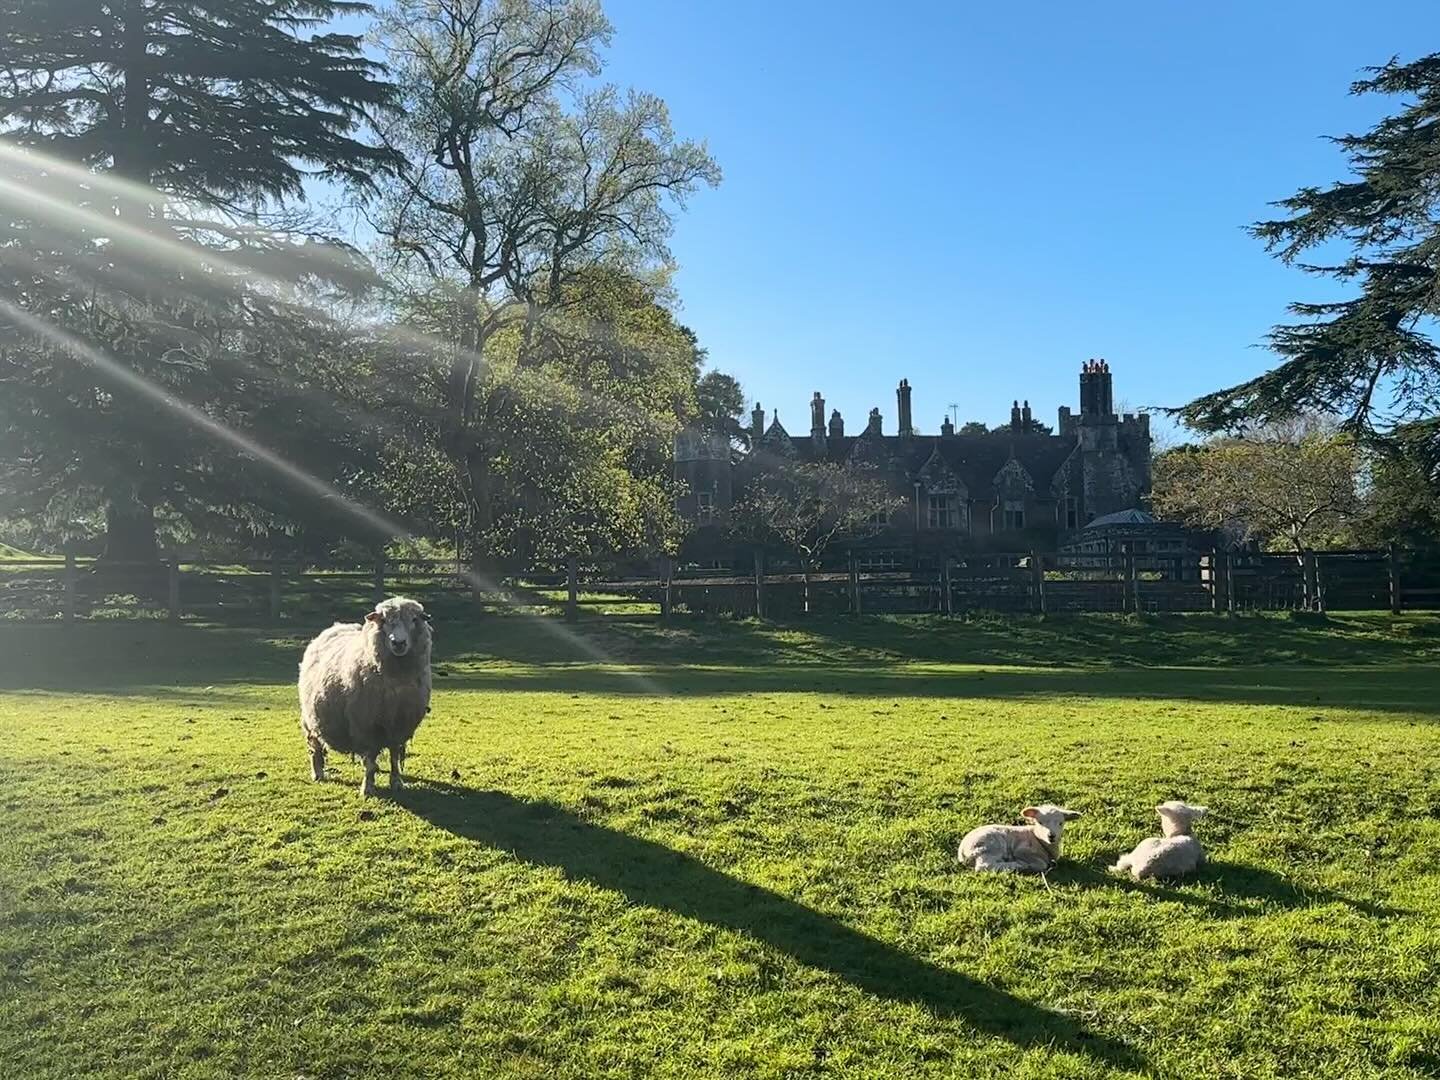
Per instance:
x=742, y=867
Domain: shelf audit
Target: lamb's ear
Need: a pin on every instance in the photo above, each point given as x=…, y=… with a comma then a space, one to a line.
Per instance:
x=1199, y=811
x=374, y=616
x=1070, y=815
x=1030, y=812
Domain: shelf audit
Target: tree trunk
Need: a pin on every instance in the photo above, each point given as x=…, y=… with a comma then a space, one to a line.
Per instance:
x=130, y=533
x=805, y=575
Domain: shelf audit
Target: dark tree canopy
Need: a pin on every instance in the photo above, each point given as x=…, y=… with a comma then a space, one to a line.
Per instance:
x=207, y=112
x=1369, y=359
x=720, y=403
x=215, y=101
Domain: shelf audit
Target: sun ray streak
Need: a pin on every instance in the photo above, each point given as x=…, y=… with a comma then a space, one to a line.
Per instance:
x=117, y=372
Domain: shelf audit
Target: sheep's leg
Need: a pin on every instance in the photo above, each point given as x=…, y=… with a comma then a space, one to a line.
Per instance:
x=367, y=786
x=317, y=757
x=993, y=864
x=397, y=764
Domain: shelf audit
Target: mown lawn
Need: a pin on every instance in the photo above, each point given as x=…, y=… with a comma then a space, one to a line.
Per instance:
x=726, y=850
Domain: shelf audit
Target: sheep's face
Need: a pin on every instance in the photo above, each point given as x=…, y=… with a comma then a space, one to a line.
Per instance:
x=1177, y=817
x=402, y=624
x=1049, y=819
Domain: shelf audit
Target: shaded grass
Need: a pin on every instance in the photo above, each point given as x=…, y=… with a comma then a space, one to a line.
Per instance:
x=741, y=865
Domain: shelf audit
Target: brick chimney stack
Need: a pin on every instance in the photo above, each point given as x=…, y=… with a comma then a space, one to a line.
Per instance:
x=874, y=426
x=1015, y=424
x=837, y=425
x=817, y=418
x=757, y=423
x=902, y=399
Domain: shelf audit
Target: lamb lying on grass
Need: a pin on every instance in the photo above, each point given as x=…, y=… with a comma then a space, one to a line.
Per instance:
x=1031, y=848
x=365, y=688
x=1173, y=854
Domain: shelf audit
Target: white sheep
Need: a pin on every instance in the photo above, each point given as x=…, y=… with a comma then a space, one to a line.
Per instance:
x=365, y=687
x=1031, y=848
x=1175, y=853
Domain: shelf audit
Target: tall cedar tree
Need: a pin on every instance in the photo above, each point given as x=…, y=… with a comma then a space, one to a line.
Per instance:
x=1367, y=359
x=212, y=109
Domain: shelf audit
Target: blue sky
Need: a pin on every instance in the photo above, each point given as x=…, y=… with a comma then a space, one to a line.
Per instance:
x=980, y=196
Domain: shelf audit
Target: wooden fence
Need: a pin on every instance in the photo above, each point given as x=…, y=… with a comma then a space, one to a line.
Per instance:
x=279, y=591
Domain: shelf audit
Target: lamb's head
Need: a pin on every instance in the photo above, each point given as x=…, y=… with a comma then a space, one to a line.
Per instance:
x=1047, y=820
x=403, y=626
x=1176, y=817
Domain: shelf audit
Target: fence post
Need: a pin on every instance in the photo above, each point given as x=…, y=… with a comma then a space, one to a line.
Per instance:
x=667, y=594
x=1037, y=579
x=174, y=598
x=72, y=586
x=275, y=586
x=1229, y=583
x=854, y=585
x=949, y=592
x=1392, y=560
x=1217, y=599
x=759, y=584
x=572, y=584
x=378, y=592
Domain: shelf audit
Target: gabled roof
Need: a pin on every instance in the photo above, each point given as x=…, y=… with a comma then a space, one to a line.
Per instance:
x=975, y=461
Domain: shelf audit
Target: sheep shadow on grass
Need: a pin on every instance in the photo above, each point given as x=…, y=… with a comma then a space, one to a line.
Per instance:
x=653, y=875
x=1242, y=890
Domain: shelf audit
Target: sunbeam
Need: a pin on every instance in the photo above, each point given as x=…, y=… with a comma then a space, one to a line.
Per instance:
x=188, y=413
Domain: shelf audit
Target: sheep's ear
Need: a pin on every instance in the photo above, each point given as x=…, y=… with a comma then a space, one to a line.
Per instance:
x=374, y=616
x=1030, y=812
x=425, y=615
x=1199, y=811
x=1070, y=815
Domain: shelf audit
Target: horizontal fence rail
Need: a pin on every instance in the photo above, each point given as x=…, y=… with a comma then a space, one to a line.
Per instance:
x=280, y=590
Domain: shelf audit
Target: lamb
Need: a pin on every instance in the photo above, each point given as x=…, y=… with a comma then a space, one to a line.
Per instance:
x=1175, y=853
x=1031, y=848
x=365, y=688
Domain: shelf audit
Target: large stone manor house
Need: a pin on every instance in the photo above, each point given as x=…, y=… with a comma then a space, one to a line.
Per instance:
x=1013, y=489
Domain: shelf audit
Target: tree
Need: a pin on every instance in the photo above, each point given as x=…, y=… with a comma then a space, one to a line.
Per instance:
x=804, y=508
x=1368, y=359
x=191, y=117
x=1401, y=499
x=720, y=403
x=1290, y=486
x=524, y=187
x=974, y=427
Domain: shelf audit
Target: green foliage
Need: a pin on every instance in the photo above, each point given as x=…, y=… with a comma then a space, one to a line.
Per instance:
x=143, y=248
x=1292, y=486
x=744, y=834
x=1368, y=359
x=1402, y=496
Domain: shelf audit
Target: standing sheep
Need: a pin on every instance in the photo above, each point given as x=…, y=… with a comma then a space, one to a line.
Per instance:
x=1175, y=853
x=1031, y=848
x=365, y=688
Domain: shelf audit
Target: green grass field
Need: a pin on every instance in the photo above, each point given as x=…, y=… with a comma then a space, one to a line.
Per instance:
x=726, y=850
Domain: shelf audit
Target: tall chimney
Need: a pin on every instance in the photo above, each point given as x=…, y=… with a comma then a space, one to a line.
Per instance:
x=1025, y=415
x=902, y=398
x=946, y=427
x=757, y=423
x=837, y=425
x=817, y=417
x=873, y=427
x=1015, y=416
